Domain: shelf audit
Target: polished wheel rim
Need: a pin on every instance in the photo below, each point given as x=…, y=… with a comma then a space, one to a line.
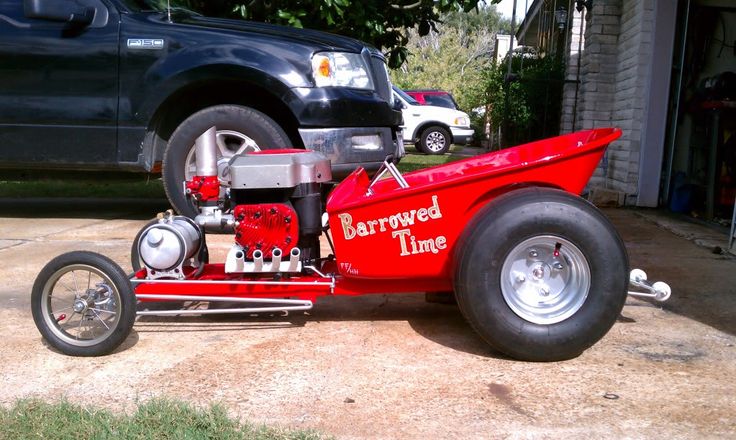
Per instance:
x=545, y=279
x=229, y=143
x=436, y=141
x=81, y=305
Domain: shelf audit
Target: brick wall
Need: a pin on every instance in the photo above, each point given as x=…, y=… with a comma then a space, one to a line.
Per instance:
x=615, y=65
x=634, y=67
x=598, y=73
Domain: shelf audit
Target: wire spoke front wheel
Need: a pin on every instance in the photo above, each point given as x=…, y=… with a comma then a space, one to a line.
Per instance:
x=84, y=326
x=83, y=304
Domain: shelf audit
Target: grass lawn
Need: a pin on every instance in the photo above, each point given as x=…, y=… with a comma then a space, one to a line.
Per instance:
x=143, y=188
x=416, y=161
x=156, y=419
x=109, y=188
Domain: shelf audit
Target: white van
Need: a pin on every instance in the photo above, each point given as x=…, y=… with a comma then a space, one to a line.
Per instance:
x=432, y=129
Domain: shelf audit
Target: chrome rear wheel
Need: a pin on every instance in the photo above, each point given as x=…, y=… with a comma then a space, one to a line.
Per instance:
x=545, y=279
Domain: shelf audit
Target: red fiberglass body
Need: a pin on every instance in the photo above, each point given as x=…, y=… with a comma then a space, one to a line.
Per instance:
x=394, y=239
x=396, y=232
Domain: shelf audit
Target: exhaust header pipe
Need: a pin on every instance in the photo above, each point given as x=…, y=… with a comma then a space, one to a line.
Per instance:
x=206, y=153
x=294, y=260
x=257, y=260
x=276, y=260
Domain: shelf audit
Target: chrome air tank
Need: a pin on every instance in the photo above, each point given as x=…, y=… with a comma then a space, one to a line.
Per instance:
x=164, y=246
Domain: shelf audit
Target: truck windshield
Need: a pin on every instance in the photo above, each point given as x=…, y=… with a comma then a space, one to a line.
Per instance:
x=405, y=97
x=441, y=101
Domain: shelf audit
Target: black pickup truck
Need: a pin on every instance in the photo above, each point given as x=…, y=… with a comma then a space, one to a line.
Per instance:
x=130, y=84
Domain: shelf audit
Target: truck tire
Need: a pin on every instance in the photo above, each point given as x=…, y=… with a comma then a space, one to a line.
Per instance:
x=541, y=275
x=239, y=129
x=434, y=140
x=83, y=304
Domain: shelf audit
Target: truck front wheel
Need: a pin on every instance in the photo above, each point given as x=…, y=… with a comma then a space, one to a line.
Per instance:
x=239, y=130
x=434, y=140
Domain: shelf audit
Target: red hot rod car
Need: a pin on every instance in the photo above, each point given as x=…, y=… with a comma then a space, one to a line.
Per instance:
x=537, y=271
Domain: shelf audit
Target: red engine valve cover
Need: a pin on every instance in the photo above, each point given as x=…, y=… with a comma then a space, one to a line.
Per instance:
x=265, y=227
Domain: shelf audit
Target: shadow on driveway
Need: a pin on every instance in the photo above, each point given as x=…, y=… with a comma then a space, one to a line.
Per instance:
x=703, y=283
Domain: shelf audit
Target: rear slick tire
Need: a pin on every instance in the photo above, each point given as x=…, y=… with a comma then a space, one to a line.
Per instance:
x=542, y=275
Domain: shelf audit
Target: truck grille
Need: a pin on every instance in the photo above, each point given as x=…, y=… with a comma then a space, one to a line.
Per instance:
x=380, y=73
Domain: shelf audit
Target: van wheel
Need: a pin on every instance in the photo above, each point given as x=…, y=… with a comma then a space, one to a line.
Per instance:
x=239, y=130
x=542, y=274
x=435, y=140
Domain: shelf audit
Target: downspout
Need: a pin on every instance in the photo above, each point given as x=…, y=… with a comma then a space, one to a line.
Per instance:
x=507, y=82
x=676, y=114
x=577, y=74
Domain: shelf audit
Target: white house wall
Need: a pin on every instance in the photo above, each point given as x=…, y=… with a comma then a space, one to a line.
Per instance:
x=570, y=91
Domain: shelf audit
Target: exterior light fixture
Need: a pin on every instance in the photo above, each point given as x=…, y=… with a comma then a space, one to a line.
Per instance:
x=561, y=18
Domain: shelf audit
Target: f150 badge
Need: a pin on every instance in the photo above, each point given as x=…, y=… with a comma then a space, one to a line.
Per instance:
x=145, y=43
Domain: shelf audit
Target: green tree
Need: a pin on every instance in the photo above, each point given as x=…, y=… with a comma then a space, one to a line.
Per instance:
x=526, y=106
x=453, y=58
x=456, y=58
x=384, y=24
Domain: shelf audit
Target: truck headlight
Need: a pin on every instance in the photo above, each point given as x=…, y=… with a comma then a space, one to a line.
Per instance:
x=340, y=69
x=462, y=122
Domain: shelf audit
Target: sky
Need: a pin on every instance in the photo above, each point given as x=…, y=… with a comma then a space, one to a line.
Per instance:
x=506, y=6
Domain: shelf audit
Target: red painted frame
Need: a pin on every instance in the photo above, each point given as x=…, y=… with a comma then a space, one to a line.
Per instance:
x=372, y=230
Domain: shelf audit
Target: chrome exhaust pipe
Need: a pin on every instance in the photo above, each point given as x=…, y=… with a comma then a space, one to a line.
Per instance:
x=276, y=260
x=294, y=255
x=257, y=260
x=206, y=153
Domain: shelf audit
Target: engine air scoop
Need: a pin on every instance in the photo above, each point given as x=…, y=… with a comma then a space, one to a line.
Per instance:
x=271, y=169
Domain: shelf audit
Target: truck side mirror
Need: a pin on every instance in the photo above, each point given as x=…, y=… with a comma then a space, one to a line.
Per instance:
x=55, y=10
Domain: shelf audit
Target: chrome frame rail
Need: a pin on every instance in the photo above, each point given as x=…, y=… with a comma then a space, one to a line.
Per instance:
x=289, y=305
x=235, y=282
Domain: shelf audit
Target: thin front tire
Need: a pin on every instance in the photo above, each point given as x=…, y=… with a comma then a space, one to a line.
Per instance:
x=83, y=304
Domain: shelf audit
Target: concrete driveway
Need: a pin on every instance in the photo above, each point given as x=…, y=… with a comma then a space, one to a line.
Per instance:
x=386, y=366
